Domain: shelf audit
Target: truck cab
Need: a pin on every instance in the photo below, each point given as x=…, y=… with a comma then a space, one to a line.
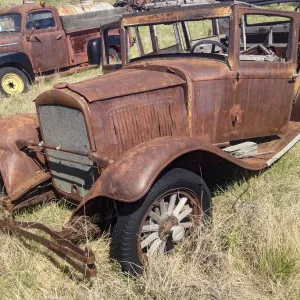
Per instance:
x=44, y=43
x=36, y=33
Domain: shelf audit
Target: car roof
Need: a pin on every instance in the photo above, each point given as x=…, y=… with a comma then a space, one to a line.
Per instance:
x=194, y=12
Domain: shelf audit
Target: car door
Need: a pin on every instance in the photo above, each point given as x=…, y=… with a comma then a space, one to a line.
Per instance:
x=265, y=85
x=46, y=41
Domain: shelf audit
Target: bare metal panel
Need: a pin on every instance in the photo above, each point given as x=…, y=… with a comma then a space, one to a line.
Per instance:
x=65, y=127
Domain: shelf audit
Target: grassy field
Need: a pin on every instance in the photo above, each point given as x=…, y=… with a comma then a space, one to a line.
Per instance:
x=251, y=251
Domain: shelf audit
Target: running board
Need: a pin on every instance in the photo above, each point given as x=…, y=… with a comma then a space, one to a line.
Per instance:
x=289, y=146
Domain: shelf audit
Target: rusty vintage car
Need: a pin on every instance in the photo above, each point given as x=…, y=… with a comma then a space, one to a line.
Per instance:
x=40, y=39
x=197, y=87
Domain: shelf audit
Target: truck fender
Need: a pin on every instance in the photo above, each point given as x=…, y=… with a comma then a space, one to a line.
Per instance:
x=19, y=60
x=19, y=171
x=94, y=48
x=131, y=176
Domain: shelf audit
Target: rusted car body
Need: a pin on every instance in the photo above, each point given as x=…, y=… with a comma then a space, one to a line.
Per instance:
x=54, y=39
x=209, y=101
x=140, y=138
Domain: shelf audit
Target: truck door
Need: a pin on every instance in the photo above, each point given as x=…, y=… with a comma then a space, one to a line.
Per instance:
x=46, y=41
x=265, y=84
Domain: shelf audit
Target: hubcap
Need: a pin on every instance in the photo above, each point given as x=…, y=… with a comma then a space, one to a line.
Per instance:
x=12, y=84
x=111, y=58
x=168, y=222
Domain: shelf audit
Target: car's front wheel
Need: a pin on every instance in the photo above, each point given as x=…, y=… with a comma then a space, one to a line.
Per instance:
x=162, y=219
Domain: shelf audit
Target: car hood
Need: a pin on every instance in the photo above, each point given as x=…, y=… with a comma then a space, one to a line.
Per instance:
x=121, y=83
x=148, y=75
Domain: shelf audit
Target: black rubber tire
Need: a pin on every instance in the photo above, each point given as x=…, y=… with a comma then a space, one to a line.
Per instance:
x=125, y=238
x=2, y=187
x=22, y=75
x=114, y=53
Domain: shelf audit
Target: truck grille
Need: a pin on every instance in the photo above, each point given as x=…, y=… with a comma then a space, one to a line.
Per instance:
x=66, y=127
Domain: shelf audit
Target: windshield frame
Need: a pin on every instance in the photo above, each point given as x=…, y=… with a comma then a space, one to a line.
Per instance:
x=20, y=22
x=192, y=13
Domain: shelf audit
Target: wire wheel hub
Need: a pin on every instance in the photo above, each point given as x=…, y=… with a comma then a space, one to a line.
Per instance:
x=166, y=227
x=168, y=222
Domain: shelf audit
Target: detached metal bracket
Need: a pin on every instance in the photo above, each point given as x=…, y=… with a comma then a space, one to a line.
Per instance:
x=82, y=260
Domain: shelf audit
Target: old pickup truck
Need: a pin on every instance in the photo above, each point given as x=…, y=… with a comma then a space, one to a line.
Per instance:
x=198, y=87
x=38, y=39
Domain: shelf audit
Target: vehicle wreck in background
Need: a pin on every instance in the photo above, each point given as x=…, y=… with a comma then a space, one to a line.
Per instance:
x=42, y=39
x=140, y=138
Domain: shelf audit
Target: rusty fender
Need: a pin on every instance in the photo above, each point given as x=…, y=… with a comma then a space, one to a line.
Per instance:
x=20, y=172
x=130, y=177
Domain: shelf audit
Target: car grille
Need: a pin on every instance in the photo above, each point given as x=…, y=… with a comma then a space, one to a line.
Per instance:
x=64, y=126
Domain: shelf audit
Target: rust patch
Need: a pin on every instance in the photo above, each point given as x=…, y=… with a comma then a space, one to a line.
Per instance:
x=20, y=171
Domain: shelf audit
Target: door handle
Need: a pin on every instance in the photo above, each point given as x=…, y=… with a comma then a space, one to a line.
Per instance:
x=59, y=37
x=295, y=75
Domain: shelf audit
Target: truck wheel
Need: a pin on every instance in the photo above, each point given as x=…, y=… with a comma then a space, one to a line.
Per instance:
x=13, y=81
x=163, y=218
x=113, y=56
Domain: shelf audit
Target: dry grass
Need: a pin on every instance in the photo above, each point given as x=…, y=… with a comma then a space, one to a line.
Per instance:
x=24, y=103
x=7, y=3
x=251, y=250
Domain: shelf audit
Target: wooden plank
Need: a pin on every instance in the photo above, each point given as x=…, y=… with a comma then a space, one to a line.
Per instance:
x=91, y=20
x=243, y=149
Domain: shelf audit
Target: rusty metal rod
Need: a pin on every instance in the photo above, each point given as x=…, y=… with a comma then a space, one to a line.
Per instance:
x=58, y=148
x=60, y=246
x=93, y=156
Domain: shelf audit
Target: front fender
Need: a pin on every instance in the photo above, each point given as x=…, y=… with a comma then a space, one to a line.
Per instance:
x=20, y=59
x=19, y=172
x=130, y=177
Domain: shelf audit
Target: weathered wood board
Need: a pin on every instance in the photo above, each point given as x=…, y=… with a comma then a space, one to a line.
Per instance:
x=91, y=20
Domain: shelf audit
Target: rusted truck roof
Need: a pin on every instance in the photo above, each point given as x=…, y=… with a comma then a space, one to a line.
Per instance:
x=130, y=81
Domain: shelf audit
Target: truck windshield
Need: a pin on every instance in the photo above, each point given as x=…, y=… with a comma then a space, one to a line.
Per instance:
x=202, y=36
x=10, y=23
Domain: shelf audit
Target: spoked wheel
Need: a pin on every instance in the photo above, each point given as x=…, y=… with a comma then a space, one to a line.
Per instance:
x=165, y=217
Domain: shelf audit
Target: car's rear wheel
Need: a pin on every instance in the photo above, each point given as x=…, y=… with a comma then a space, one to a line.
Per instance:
x=113, y=56
x=163, y=218
x=13, y=81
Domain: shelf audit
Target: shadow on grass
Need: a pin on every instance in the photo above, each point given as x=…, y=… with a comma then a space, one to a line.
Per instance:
x=222, y=175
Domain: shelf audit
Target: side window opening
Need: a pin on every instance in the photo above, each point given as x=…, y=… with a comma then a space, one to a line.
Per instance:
x=40, y=20
x=141, y=34
x=167, y=41
x=264, y=38
x=10, y=23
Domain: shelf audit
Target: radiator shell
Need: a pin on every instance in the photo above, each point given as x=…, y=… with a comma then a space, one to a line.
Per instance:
x=65, y=127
